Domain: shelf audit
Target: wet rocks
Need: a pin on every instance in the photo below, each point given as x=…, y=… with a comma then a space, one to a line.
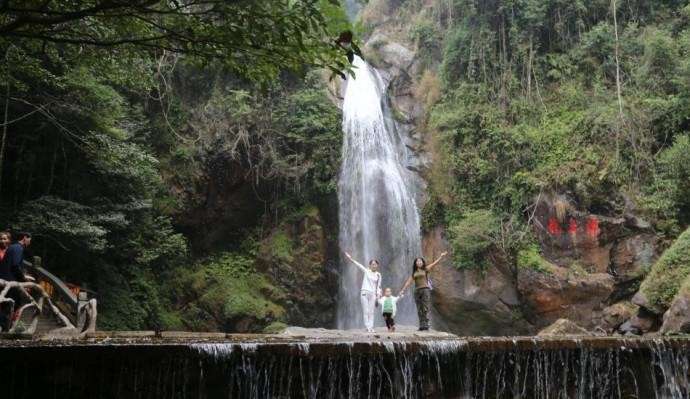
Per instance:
x=677, y=318
x=390, y=54
x=563, y=327
x=641, y=300
x=621, y=246
x=633, y=255
x=548, y=297
x=472, y=303
x=641, y=323
x=612, y=317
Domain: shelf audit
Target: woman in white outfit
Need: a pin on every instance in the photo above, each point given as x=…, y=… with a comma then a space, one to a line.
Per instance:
x=371, y=290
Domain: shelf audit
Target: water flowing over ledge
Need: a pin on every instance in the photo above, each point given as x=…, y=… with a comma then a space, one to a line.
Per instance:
x=354, y=365
x=377, y=212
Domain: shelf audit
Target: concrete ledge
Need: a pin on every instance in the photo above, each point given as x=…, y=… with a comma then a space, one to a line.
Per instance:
x=121, y=334
x=345, y=343
x=192, y=335
x=11, y=336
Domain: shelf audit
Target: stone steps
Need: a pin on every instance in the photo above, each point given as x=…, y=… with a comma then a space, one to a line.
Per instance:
x=46, y=322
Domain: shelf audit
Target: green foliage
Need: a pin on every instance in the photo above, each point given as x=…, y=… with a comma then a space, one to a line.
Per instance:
x=275, y=328
x=312, y=130
x=433, y=214
x=67, y=223
x=529, y=105
x=225, y=293
x=668, y=273
x=287, y=139
x=660, y=60
x=133, y=301
x=426, y=36
x=281, y=247
x=472, y=237
x=101, y=145
x=669, y=193
x=254, y=39
x=127, y=168
x=530, y=258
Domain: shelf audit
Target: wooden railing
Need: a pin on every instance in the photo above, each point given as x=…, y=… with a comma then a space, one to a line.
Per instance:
x=76, y=303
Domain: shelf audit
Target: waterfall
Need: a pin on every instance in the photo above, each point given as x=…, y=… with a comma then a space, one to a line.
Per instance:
x=377, y=211
x=589, y=368
x=352, y=9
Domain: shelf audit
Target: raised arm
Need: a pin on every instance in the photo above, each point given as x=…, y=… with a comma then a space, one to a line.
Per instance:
x=434, y=263
x=361, y=266
x=407, y=284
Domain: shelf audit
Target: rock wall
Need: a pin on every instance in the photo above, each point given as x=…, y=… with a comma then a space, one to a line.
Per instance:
x=469, y=302
x=300, y=256
x=598, y=262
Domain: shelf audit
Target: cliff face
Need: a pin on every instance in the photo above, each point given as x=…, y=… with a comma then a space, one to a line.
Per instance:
x=590, y=259
x=585, y=246
x=255, y=194
x=300, y=256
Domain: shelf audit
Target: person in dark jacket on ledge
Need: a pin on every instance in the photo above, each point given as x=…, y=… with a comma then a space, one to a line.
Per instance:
x=12, y=266
x=12, y=269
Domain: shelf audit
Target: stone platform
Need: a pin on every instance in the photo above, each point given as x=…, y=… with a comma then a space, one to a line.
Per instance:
x=355, y=340
x=319, y=363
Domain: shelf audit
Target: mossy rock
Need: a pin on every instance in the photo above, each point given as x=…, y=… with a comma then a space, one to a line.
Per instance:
x=531, y=259
x=276, y=327
x=226, y=293
x=667, y=275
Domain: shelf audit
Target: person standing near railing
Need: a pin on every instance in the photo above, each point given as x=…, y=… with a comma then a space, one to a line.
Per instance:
x=5, y=241
x=12, y=265
x=12, y=269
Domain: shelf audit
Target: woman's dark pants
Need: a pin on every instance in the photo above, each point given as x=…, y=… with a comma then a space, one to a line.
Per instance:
x=422, y=297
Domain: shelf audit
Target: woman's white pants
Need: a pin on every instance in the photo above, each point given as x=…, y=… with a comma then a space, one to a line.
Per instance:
x=368, y=308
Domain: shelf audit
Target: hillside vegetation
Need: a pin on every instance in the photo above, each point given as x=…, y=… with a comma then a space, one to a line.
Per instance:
x=147, y=147
x=586, y=98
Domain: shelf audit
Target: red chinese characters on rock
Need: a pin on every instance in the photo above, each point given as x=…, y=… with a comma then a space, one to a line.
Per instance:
x=572, y=226
x=592, y=227
x=554, y=227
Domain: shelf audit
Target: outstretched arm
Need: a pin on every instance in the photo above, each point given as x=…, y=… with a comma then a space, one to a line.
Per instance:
x=434, y=263
x=361, y=266
x=407, y=284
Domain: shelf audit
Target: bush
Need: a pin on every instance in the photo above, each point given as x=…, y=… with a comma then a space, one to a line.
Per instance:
x=669, y=194
x=668, y=273
x=275, y=328
x=225, y=290
x=531, y=259
x=472, y=237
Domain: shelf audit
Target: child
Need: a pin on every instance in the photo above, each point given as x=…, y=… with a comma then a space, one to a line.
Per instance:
x=388, y=308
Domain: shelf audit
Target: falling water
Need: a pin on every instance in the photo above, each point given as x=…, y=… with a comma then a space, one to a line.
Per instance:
x=378, y=214
x=443, y=368
x=352, y=8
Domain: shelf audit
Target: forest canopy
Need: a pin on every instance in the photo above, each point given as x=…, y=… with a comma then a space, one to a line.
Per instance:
x=253, y=38
x=106, y=134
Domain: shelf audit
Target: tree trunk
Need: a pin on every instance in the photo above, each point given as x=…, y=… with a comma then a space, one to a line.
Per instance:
x=618, y=79
x=529, y=69
x=4, y=130
x=616, y=55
